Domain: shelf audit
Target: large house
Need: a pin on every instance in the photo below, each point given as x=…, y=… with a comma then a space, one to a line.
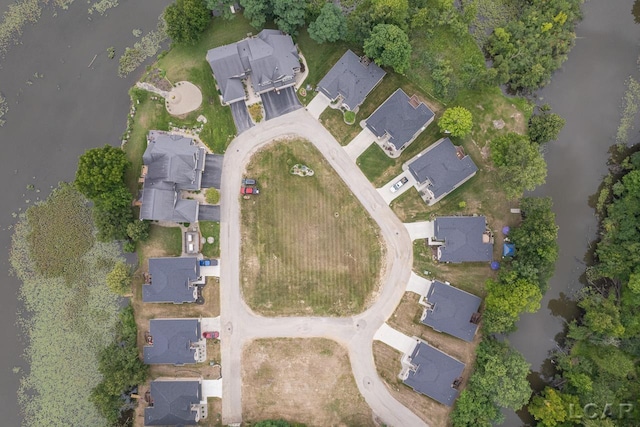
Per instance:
x=399, y=121
x=462, y=239
x=173, y=280
x=269, y=60
x=451, y=310
x=172, y=163
x=350, y=80
x=440, y=169
x=174, y=342
x=175, y=402
x=433, y=373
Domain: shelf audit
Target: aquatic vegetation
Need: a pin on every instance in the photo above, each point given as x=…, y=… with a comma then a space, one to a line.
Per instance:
x=102, y=6
x=3, y=109
x=630, y=108
x=148, y=46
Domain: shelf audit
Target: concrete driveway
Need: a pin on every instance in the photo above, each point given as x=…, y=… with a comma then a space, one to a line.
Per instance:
x=359, y=144
x=420, y=229
x=211, y=270
x=418, y=285
x=240, y=325
x=277, y=104
x=395, y=339
x=241, y=116
x=318, y=105
x=388, y=195
x=211, y=388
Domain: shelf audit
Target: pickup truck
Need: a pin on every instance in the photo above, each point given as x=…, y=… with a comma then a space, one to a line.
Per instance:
x=395, y=187
x=249, y=190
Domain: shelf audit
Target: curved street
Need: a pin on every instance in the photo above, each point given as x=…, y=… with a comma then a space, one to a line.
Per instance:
x=240, y=325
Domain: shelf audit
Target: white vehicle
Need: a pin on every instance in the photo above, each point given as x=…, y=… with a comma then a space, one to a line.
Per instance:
x=395, y=187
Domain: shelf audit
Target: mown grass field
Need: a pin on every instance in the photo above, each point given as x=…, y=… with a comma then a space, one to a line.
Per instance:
x=308, y=381
x=308, y=246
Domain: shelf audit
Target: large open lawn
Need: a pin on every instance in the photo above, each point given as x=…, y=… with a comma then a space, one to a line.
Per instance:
x=302, y=380
x=308, y=246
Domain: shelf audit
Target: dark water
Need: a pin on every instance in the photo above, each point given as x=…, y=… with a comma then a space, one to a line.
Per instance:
x=587, y=92
x=51, y=122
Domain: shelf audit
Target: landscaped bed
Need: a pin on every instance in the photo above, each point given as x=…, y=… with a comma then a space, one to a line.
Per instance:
x=303, y=380
x=308, y=246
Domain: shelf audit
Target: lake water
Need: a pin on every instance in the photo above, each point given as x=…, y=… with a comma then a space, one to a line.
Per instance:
x=51, y=121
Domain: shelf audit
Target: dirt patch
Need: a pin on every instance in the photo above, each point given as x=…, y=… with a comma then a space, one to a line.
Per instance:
x=309, y=246
x=302, y=380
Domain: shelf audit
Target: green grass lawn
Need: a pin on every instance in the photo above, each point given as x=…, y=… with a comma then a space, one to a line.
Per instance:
x=374, y=162
x=308, y=246
x=167, y=238
x=210, y=229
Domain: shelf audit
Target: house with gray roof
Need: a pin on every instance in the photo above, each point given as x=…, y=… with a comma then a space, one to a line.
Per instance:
x=440, y=169
x=270, y=60
x=462, y=239
x=433, y=373
x=172, y=163
x=175, y=402
x=172, y=280
x=451, y=310
x=350, y=80
x=399, y=121
x=174, y=342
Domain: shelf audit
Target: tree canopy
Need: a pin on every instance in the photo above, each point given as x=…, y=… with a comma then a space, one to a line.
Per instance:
x=506, y=299
x=520, y=164
x=101, y=170
x=186, y=20
x=456, y=121
x=553, y=408
x=330, y=26
x=119, y=279
x=389, y=46
x=545, y=127
x=289, y=14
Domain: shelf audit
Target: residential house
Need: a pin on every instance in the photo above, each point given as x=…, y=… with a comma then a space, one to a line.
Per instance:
x=462, y=239
x=172, y=163
x=175, y=402
x=451, y=310
x=433, y=373
x=350, y=80
x=399, y=121
x=172, y=279
x=440, y=169
x=174, y=342
x=269, y=60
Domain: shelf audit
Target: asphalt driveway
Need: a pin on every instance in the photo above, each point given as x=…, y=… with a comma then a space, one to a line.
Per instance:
x=241, y=116
x=209, y=213
x=279, y=103
x=212, y=173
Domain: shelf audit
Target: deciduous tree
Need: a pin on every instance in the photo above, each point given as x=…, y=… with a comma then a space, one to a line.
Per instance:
x=506, y=299
x=186, y=20
x=389, y=45
x=289, y=14
x=390, y=12
x=119, y=279
x=256, y=11
x=456, y=121
x=551, y=407
x=330, y=26
x=100, y=170
x=545, y=127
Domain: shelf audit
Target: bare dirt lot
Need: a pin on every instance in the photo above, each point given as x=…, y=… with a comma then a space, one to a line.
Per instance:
x=302, y=380
x=308, y=246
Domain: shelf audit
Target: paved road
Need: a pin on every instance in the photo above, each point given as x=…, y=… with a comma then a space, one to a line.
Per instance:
x=240, y=324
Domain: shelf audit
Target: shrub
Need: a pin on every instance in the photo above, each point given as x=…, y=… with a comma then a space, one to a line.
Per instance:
x=212, y=196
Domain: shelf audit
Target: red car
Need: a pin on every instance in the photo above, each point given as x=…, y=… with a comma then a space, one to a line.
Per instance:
x=249, y=190
x=211, y=335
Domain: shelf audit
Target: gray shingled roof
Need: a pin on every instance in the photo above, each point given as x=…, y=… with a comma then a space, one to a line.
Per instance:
x=399, y=119
x=439, y=165
x=434, y=374
x=172, y=339
x=171, y=279
x=451, y=311
x=352, y=79
x=271, y=59
x=174, y=163
x=172, y=402
x=462, y=237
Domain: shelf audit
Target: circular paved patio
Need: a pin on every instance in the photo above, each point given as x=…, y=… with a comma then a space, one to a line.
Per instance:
x=184, y=98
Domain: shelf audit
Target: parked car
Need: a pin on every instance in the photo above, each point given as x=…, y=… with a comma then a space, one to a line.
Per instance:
x=248, y=181
x=205, y=262
x=395, y=187
x=249, y=190
x=211, y=335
